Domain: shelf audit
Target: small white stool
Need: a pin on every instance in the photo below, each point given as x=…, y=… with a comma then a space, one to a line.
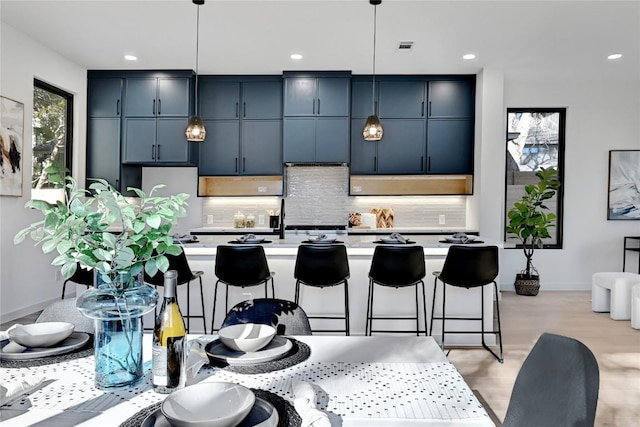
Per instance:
x=635, y=306
x=611, y=292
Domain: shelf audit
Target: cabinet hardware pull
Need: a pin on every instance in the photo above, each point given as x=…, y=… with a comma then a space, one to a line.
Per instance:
x=314, y=106
x=118, y=107
x=422, y=109
x=375, y=163
x=159, y=106
x=154, y=107
x=158, y=151
x=375, y=108
x=244, y=164
x=237, y=109
x=318, y=106
x=429, y=108
x=117, y=184
x=421, y=163
x=153, y=151
x=236, y=165
x=244, y=109
x=429, y=164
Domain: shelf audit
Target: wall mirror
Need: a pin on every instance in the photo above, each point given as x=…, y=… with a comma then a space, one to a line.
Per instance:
x=535, y=139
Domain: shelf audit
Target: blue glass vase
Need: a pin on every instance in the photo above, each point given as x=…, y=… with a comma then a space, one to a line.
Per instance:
x=117, y=309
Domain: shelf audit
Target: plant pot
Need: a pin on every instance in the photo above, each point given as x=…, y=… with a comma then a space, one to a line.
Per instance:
x=117, y=315
x=527, y=284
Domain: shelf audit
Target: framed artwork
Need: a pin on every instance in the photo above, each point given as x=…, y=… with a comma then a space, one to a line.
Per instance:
x=11, y=136
x=624, y=184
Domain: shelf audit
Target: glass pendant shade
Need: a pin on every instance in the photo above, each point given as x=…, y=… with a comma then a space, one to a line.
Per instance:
x=195, y=129
x=372, y=129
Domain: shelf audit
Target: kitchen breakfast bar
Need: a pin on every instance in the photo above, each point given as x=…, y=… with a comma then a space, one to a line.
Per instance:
x=281, y=257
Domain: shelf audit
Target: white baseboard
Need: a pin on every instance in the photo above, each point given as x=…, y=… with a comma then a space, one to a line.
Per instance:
x=25, y=311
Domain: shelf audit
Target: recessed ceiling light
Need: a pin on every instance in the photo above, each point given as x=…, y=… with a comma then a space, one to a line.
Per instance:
x=468, y=56
x=296, y=56
x=615, y=56
x=131, y=57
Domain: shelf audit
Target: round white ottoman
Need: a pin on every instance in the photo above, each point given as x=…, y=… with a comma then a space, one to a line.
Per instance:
x=635, y=306
x=611, y=292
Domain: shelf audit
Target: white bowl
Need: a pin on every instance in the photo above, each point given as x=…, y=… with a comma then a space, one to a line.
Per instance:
x=211, y=404
x=246, y=337
x=44, y=334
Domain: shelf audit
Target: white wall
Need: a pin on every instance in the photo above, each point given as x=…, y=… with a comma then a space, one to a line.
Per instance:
x=27, y=280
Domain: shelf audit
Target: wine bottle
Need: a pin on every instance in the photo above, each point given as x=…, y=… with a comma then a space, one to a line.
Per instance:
x=169, y=341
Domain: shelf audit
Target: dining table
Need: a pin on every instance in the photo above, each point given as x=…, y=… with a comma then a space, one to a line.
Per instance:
x=382, y=380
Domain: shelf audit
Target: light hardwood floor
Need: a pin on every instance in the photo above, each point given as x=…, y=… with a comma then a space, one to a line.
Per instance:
x=615, y=345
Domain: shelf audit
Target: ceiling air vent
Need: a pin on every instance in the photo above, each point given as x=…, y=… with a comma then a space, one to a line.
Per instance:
x=405, y=46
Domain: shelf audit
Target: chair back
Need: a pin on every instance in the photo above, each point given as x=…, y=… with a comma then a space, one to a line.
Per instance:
x=397, y=266
x=178, y=263
x=241, y=265
x=65, y=311
x=81, y=276
x=557, y=385
x=470, y=266
x=286, y=316
x=321, y=265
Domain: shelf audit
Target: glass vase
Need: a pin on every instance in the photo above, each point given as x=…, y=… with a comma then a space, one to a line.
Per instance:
x=117, y=309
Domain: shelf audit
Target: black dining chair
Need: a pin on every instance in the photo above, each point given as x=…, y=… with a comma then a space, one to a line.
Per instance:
x=323, y=266
x=557, y=385
x=286, y=316
x=180, y=263
x=241, y=266
x=397, y=267
x=468, y=267
x=66, y=311
x=81, y=276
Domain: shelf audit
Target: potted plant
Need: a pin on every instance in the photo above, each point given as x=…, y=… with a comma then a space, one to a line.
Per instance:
x=530, y=222
x=100, y=230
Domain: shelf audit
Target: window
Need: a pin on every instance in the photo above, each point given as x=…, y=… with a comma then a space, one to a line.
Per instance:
x=52, y=136
x=535, y=139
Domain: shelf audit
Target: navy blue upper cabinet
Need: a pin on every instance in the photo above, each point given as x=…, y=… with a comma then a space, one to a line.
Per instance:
x=243, y=117
x=450, y=148
x=157, y=96
x=401, y=99
x=106, y=97
x=316, y=117
x=451, y=99
x=364, y=98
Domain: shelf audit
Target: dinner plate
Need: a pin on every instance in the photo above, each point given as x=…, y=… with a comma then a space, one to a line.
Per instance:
x=459, y=240
x=320, y=241
x=263, y=414
x=75, y=341
x=390, y=240
x=276, y=349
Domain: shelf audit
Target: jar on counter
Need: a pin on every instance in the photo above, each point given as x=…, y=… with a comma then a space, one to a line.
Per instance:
x=250, y=221
x=239, y=220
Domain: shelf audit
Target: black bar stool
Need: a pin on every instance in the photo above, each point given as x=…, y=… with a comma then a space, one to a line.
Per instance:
x=287, y=317
x=180, y=264
x=323, y=266
x=81, y=277
x=241, y=266
x=397, y=267
x=468, y=267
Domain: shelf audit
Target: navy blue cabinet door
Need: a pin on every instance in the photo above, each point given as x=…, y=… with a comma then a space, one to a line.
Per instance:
x=140, y=97
x=401, y=99
x=219, y=100
x=451, y=99
x=262, y=100
x=299, y=96
x=261, y=147
x=171, y=144
x=333, y=97
x=363, y=98
x=363, y=153
x=402, y=148
x=139, y=140
x=219, y=153
x=173, y=97
x=332, y=140
x=449, y=146
x=105, y=97
x=151, y=97
x=299, y=139
x=103, y=152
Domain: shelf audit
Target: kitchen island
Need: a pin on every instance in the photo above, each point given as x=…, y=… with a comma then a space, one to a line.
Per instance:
x=281, y=255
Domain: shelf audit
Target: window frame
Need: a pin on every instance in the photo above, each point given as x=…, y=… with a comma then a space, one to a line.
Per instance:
x=562, y=111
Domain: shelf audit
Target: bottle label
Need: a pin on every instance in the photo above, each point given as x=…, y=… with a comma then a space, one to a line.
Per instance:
x=169, y=363
x=159, y=365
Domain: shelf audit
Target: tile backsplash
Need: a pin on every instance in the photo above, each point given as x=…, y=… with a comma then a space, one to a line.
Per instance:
x=319, y=195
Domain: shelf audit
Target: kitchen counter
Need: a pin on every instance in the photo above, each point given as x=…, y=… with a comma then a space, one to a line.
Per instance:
x=203, y=231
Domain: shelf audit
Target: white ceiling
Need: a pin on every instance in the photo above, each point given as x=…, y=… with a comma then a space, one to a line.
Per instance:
x=560, y=38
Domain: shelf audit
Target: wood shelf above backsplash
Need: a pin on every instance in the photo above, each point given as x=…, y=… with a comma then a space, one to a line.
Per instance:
x=240, y=186
x=418, y=185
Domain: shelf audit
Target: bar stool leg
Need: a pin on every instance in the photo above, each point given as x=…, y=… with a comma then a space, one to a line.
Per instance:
x=204, y=322
x=215, y=299
x=417, y=313
x=424, y=307
x=346, y=306
x=433, y=304
x=444, y=293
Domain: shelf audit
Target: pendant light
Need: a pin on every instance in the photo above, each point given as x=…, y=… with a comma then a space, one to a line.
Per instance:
x=373, y=128
x=195, y=129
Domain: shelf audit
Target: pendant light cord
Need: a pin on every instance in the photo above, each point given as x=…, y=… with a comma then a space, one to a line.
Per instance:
x=373, y=89
x=197, y=53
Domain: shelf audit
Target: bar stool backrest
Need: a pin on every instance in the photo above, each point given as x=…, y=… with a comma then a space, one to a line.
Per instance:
x=241, y=265
x=397, y=266
x=178, y=263
x=321, y=265
x=470, y=266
